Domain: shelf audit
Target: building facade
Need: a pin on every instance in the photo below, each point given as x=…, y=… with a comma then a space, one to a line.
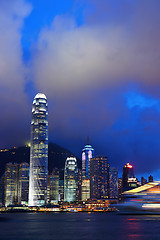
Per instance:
x=85, y=189
x=99, y=178
x=39, y=152
x=71, y=180
x=113, y=182
x=87, y=154
x=128, y=179
x=53, y=187
x=2, y=190
x=11, y=184
x=23, y=183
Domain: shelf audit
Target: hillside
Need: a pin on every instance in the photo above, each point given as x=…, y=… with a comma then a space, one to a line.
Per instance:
x=56, y=156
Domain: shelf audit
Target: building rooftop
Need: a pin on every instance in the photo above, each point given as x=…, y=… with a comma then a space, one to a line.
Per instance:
x=40, y=95
x=88, y=147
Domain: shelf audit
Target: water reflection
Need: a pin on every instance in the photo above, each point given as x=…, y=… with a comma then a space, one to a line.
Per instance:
x=134, y=228
x=81, y=226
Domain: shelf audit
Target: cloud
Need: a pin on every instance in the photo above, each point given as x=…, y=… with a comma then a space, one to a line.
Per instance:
x=70, y=57
x=86, y=70
x=137, y=100
x=12, y=70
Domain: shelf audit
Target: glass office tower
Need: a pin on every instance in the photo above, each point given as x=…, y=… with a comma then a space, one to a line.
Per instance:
x=11, y=184
x=87, y=154
x=39, y=152
x=71, y=180
x=113, y=182
x=53, y=187
x=129, y=181
x=99, y=178
x=23, y=183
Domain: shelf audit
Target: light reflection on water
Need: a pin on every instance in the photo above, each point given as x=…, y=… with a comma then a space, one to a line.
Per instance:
x=79, y=226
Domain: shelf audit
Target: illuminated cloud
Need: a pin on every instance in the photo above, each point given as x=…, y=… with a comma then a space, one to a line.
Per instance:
x=70, y=57
x=12, y=71
x=85, y=65
x=86, y=69
x=137, y=100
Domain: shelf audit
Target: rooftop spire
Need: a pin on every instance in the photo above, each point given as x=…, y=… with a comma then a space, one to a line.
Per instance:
x=87, y=140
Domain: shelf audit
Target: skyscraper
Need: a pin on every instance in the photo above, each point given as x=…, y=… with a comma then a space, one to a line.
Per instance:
x=87, y=154
x=99, y=178
x=39, y=152
x=53, y=187
x=11, y=184
x=71, y=180
x=23, y=183
x=113, y=182
x=128, y=179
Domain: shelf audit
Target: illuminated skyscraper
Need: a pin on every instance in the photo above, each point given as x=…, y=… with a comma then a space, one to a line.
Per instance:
x=53, y=187
x=99, y=178
x=39, y=152
x=11, y=184
x=113, y=182
x=85, y=195
x=87, y=154
x=128, y=179
x=71, y=180
x=23, y=183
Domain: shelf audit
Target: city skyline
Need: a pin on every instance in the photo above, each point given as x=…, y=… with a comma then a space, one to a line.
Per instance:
x=99, y=68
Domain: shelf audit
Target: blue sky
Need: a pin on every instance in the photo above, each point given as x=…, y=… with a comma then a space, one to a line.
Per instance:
x=98, y=64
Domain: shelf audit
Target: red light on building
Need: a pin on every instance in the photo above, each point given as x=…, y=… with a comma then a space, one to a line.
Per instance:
x=128, y=165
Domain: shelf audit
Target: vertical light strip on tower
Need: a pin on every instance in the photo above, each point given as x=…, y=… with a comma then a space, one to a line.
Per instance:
x=39, y=152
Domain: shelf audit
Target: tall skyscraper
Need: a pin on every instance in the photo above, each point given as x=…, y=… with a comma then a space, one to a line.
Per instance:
x=71, y=180
x=11, y=184
x=87, y=154
x=99, y=178
x=113, y=182
x=39, y=152
x=128, y=179
x=23, y=183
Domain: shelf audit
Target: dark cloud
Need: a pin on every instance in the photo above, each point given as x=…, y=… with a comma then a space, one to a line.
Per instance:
x=101, y=79
x=13, y=101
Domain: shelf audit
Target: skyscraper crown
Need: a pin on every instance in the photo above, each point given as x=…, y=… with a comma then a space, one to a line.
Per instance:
x=40, y=95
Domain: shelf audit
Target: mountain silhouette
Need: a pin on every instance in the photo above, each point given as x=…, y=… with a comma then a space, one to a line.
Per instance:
x=56, y=157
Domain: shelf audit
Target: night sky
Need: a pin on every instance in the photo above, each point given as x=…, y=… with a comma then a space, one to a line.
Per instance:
x=98, y=62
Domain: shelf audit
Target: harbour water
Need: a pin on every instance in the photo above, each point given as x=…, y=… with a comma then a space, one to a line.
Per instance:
x=78, y=226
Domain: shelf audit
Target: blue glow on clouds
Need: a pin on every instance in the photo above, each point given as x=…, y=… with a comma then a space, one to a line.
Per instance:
x=136, y=100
